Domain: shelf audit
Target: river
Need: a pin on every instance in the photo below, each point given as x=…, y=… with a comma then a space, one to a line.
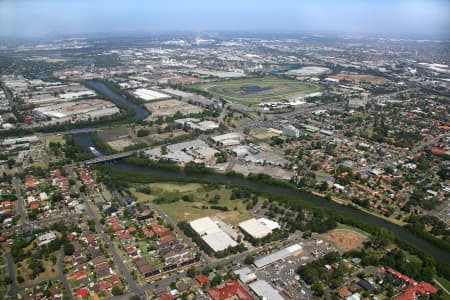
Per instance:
x=85, y=141
x=399, y=231
x=140, y=113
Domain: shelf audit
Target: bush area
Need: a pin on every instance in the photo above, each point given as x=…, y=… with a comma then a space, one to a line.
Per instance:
x=101, y=145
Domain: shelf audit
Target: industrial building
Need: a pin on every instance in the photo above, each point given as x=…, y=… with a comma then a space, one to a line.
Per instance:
x=212, y=234
x=310, y=128
x=278, y=255
x=25, y=139
x=255, y=228
x=245, y=275
x=196, y=124
x=150, y=95
x=83, y=109
x=228, y=139
x=77, y=95
x=197, y=151
x=264, y=290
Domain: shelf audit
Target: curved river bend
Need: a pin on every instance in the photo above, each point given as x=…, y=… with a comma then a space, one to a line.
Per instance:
x=139, y=112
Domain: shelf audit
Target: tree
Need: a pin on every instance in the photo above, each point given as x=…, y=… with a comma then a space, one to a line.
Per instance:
x=249, y=259
x=11, y=162
x=216, y=280
x=318, y=289
x=116, y=291
x=143, y=132
x=191, y=272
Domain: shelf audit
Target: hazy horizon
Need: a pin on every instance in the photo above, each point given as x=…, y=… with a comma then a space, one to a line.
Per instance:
x=38, y=18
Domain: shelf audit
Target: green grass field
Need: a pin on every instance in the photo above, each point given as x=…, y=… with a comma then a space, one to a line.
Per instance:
x=199, y=206
x=252, y=91
x=260, y=133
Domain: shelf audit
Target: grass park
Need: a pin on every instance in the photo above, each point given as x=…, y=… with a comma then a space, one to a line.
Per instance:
x=23, y=269
x=252, y=91
x=261, y=133
x=187, y=202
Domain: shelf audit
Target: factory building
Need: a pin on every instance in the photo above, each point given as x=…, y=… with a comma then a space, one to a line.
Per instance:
x=256, y=229
x=211, y=233
x=278, y=255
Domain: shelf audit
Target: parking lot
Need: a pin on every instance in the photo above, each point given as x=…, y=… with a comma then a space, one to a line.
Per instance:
x=282, y=274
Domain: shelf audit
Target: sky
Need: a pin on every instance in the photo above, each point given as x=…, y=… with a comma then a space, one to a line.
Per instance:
x=34, y=18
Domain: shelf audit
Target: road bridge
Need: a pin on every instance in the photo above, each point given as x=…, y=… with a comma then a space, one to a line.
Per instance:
x=105, y=158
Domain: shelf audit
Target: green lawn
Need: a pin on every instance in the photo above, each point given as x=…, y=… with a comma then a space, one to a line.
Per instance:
x=180, y=210
x=252, y=91
x=260, y=133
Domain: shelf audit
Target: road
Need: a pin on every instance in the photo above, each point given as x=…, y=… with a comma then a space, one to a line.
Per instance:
x=62, y=276
x=132, y=286
x=20, y=204
x=13, y=288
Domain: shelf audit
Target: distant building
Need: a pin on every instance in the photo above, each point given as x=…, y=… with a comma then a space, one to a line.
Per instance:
x=291, y=131
x=228, y=139
x=360, y=100
x=46, y=238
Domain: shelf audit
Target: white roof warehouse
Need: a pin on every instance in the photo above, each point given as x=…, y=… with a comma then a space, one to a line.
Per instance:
x=212, y=234
x=254, y=228
x=278, y=255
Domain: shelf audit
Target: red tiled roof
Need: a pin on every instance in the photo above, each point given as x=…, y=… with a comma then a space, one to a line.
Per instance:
x=114, y=279
x=228, y=290
x=422, y=288
x=80, y=274
x=104, y=285
x=83, y=293
x=202, y=279
x=166, y=296
x=414, y=288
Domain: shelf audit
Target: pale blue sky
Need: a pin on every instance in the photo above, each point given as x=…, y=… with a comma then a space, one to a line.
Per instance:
x=43, y=17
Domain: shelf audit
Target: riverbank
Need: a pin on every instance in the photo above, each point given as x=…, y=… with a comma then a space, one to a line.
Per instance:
x=341, y=201
x=102, y=88
x=356, y=217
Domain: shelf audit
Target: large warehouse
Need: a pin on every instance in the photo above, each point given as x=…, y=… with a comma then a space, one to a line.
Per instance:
x=150, y=95
x=258, y=229
x=265, y=290
x=276, y=256
x=254, y=228
x=212, y=234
